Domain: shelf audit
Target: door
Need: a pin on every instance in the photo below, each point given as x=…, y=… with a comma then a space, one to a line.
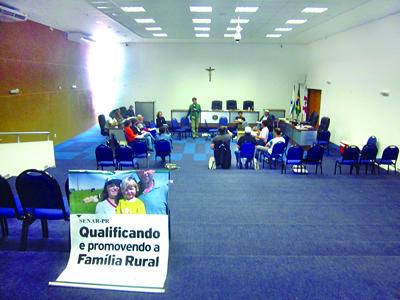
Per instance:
x=314, y=102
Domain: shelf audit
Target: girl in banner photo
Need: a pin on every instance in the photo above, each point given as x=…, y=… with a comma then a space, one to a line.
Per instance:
x=130, y=204
x=109, y=197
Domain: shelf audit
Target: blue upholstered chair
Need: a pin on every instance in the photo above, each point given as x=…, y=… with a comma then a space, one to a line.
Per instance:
x=124, y=157
x=350, y=158
x=231, y=104
x=140, y=150
x=185, y=126
x=276, y=155
x=175, y=128
x=323, y=138
x=10, y=207
x=368, y=157
x=163, y=149
x=104, y=157
x=247, y=152
x=389, y=158
x=294, y=156
x=216, y=105
x=314, y=157
x=41, y=198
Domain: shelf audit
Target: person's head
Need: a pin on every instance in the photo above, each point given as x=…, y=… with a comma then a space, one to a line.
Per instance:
x=127, y=123
x=139, y=118
x=111, y=189
x=194, y=100
x=278, y=131
x=129, y=188
x=131, y=107
x=159, y=114
x=247, y=130
x=162, y=130
x=145, y=176
x=266, y=112
x=222, y=130
x=240, y=113
x=264, y=123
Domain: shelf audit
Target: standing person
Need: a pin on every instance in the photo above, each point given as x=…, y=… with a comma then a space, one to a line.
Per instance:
x=130, y=204
x=153, y=194
x=109, y=197
x=194, y=112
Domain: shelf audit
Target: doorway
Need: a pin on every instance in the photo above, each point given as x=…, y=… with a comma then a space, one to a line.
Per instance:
x=314, y=102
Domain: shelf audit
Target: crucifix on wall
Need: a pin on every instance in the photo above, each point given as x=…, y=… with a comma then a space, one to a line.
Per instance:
x=209, y=70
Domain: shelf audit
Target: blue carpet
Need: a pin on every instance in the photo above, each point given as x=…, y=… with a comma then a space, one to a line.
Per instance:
x=240, y=234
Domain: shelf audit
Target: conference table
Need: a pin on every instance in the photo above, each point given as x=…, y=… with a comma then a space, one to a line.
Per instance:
x=304, y=136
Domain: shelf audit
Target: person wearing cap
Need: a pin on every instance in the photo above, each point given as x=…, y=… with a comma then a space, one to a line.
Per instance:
x=247, y=137
x=267, y=117
x=109, y=197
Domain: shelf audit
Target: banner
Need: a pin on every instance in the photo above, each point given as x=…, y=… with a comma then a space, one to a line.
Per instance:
x=119, y=231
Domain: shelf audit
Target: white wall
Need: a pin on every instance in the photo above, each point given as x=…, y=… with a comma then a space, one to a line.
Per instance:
x=360, y=63
x=171, y=74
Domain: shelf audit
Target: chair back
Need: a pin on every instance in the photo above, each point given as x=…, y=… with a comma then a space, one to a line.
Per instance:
x=174, y=124
x=372, y=140
x=313, y=119
x=163, y=148
x=295, y=153
x=123, y=153
x=278, y=149
x=287, y=140
x=351, y=153
x=368, y=153
x=223, y=121
x=216, y=105
x=9, y=205
x=270, y=136
x=139, y=148
x=247, y=150
x=39, y=190
x=152, y=124
x=390, y=153
x=185, y=123
x=104, y=153
x=123, y=111
x=324, y=124
x=231, y=104
x=323, y=136
x=248, y=105
x=102, y=124
x=315, y=154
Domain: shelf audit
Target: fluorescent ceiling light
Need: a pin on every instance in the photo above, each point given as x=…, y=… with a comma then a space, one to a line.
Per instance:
x=202, y=35
x=283, y=29
x=202, y=28
x=230, y=35
x=314, y=10
x=153, y=28
x=201, y=21
x=241, y=21
x=231, y=28
x=273, y=35
x=200, y=8
x=143, y=21
x=133, y=9
x=246, y=9
x=160, y=34
x=99, y=22
x=296, y=21
x=103, y=7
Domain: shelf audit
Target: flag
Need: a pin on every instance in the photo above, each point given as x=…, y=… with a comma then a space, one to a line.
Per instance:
x=298, y=107
x=305, y=103
x=292, y=102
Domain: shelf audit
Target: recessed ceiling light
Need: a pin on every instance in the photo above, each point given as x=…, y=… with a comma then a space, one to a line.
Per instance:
x=202, y=28
x=99, y=22
x=314, y=10
x=202, y=35
x=296, y=21
x=231, y=28
x=133, y=9
x=273, y=35
x=143, y=21
x=99, y=2
x=201, y=21
x=283, y=29
x=153, y=28
x=160, y=34
x=103, y=7
x=244, y=9
x=241, y=21
x=114, y=14
x=200, y=8
x=231, y=35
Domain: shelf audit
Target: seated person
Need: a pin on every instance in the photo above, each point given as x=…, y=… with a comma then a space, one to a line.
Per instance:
x=263, y=136
x=160, y=120
x=221, y=146
x=118, y=116
x=270, y=145
x=140, y=128
x=164, y=135
x=247, y=137
x=130, y=112
x=240, y=121
x=130, y=135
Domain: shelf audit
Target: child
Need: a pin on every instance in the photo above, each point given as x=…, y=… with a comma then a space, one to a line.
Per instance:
x=130, y=204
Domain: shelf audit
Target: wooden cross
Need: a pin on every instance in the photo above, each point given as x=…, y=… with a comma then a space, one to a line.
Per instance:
x=209, y=73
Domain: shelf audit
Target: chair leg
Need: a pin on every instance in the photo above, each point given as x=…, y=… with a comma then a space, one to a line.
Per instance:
x=4, y=226
x=24, y=232
x=335, y=167
x=45, y=228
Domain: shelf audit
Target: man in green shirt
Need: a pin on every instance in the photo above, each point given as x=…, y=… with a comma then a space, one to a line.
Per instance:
x=194, y=112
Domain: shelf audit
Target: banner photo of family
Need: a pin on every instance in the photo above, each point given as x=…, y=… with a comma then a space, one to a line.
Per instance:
x=119, y=230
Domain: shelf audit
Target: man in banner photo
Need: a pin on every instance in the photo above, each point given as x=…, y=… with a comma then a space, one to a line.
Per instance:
x=119, y=231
